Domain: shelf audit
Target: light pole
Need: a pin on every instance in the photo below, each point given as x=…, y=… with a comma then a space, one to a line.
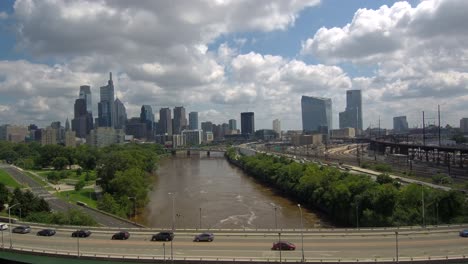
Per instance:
x=276, y=220
x=396, y=245
x=302, y=232
x=9, y=220
x=78, y=244
x=173, y=223
x=279, y=241
x=422, y=199
x=200, y=217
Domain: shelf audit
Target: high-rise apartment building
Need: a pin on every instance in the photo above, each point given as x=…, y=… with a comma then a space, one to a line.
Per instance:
x=106, y=112
x=247, y=123
x=464, y=125
x=232, y=124
x=352, y=116
x=49, y=136
x=13, y=133
x=316, y=114
x=192, y=137
x=120, y=114
x=165, y=121
x=193, y=120
x=400, y=124
x=85, y=93
x=180, y=120
x=277, y=126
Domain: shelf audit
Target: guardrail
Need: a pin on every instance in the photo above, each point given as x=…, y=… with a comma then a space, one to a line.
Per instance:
x=197, y=260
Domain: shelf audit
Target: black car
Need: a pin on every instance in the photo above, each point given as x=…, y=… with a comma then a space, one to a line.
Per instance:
x=81, y=233
x=204, y=237
x=21, y=229
x=163, y=236
x=122, y=235
x=464, y=233
x=46, y=232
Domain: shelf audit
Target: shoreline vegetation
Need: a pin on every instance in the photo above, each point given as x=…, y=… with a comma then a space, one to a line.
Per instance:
x=352, y=200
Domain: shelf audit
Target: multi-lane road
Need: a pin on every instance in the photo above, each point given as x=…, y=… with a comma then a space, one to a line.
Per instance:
x=319, y=245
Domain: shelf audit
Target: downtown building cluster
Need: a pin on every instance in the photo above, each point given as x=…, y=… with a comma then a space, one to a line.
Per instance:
x=112, y=126
x=174, y=129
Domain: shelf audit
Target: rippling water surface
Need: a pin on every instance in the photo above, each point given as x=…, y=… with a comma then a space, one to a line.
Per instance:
x=222, y=194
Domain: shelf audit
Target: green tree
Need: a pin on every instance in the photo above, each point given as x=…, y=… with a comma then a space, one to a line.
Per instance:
x=59, y=163
x=4, y=196
x=80, y=185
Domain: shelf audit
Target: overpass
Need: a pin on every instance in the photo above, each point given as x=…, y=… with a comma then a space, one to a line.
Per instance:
x=339, y=245
x=190, y=151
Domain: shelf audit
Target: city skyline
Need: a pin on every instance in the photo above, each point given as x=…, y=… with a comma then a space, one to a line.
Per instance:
x=258, y=60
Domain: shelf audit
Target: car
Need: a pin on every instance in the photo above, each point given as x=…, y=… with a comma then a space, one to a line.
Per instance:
x=464, y=233
x=3, y=226
x=81, y=233
x=163, y=236
x=283, y=245
x=122, y=235
x=21, y=229
x=46, y=232
x=204, y=237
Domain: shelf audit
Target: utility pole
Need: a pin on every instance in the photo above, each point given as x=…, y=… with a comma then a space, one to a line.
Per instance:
x=438, y=113
x=424, y=131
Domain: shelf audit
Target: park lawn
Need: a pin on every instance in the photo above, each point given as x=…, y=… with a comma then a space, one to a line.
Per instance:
x=82, y=196
x=6, y=179
x=71, y=174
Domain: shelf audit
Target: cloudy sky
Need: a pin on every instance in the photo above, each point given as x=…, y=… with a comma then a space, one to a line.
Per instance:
x=223, y=57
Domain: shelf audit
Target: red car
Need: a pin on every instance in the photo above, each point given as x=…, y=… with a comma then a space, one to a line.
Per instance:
x=283, y=245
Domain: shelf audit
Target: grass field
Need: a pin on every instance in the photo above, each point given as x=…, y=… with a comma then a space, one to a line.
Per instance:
x=84, y=195
x=6, y=179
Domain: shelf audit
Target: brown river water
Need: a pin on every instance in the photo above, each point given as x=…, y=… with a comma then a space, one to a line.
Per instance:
x=222, y=194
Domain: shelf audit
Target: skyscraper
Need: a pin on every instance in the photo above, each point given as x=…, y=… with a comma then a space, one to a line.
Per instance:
x=180, y=120
x=165, y=121
x=120, y=114
x=207, y=126
x=277, y=126
x=82, y=122
x=464, y=125
x=147, y=117
x=247, y=123
x=106, y=112
x=352, y=116
x=316, y=114
x=85, y=93
x=232, y=124
x=193, y=120
x=400, y=124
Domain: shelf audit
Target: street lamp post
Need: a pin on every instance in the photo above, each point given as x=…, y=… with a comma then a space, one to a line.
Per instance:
x=423, y=213
x=9, y=220
x=396, y=245
x=279, y=241
x=173, y=223
x=302, y=232
x=200, y=219
x=78, y=244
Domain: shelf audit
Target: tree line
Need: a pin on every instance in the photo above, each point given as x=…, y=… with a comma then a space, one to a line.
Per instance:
x=123, y=171
x=348, y=199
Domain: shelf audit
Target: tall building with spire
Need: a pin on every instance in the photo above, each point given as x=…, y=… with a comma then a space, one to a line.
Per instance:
x=106, y=112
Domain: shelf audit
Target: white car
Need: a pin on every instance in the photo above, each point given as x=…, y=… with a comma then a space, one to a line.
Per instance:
x=3, y=226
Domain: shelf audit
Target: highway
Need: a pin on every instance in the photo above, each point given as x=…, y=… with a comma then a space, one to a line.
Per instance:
x=318, y=245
